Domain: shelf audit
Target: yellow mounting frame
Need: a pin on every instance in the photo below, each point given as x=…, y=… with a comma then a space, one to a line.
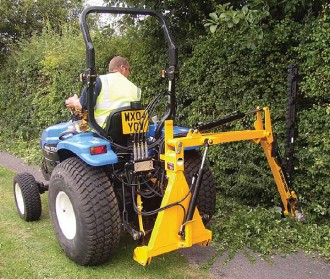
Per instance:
x=165, y=234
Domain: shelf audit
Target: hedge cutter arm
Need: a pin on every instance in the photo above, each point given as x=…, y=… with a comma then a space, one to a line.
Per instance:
x=176, y=227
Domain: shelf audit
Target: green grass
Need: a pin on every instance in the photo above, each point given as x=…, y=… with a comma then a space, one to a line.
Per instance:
x=30, y=250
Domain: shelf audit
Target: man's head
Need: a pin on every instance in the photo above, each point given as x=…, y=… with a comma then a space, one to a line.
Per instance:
x=120, y=64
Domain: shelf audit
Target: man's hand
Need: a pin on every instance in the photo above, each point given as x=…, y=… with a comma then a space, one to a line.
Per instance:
x=73, y=102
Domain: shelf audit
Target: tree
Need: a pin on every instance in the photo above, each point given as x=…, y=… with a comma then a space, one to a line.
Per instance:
x=20, y=18
x=185, y=17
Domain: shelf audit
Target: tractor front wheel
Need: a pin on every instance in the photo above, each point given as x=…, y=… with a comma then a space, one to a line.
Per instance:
x=84, y=212
x=27, y=197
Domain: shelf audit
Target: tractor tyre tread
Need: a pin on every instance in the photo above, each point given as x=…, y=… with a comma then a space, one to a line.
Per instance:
x=98, y=211
x=31, y=196
x=206, y=201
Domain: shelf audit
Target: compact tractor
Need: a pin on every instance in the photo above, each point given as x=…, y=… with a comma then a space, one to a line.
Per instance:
x=150, y=179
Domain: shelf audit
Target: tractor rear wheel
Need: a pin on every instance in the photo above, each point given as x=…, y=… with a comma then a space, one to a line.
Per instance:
x=84, y=212
x=207, y=194
x=27, y=197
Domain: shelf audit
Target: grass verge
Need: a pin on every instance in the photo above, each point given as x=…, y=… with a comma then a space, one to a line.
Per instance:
x=30, y=250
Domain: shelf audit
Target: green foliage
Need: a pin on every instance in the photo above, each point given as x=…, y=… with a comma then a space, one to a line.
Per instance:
x=33, y=93
x=314, y=158
x=247, y=16
x=20, y=19
x=183, y=13
x=223, y=76
x=263, y=231
x=185, y=17
x=314, y=119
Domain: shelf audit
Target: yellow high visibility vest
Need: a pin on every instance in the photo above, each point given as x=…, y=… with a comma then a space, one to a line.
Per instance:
x=116, y=92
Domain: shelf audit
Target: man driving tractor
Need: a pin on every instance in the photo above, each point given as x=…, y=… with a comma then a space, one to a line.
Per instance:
x=112, y=91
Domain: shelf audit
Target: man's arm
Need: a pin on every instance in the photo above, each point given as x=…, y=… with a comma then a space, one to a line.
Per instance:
x=97, y=90
x=81, y=103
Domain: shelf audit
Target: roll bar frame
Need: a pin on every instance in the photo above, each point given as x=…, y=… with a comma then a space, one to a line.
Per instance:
x=91, y=72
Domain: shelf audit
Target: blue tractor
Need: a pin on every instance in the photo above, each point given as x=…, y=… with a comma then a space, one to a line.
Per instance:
x=102, y=181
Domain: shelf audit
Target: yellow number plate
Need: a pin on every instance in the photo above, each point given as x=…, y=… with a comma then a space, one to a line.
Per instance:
x=134, y=121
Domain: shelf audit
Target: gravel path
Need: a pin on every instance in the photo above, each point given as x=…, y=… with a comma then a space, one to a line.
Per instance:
x=294, y=266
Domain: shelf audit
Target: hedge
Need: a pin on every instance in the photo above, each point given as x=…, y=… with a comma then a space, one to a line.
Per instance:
x=221, y=75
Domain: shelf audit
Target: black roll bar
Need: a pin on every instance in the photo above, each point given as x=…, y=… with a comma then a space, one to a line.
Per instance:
x=90, y=57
